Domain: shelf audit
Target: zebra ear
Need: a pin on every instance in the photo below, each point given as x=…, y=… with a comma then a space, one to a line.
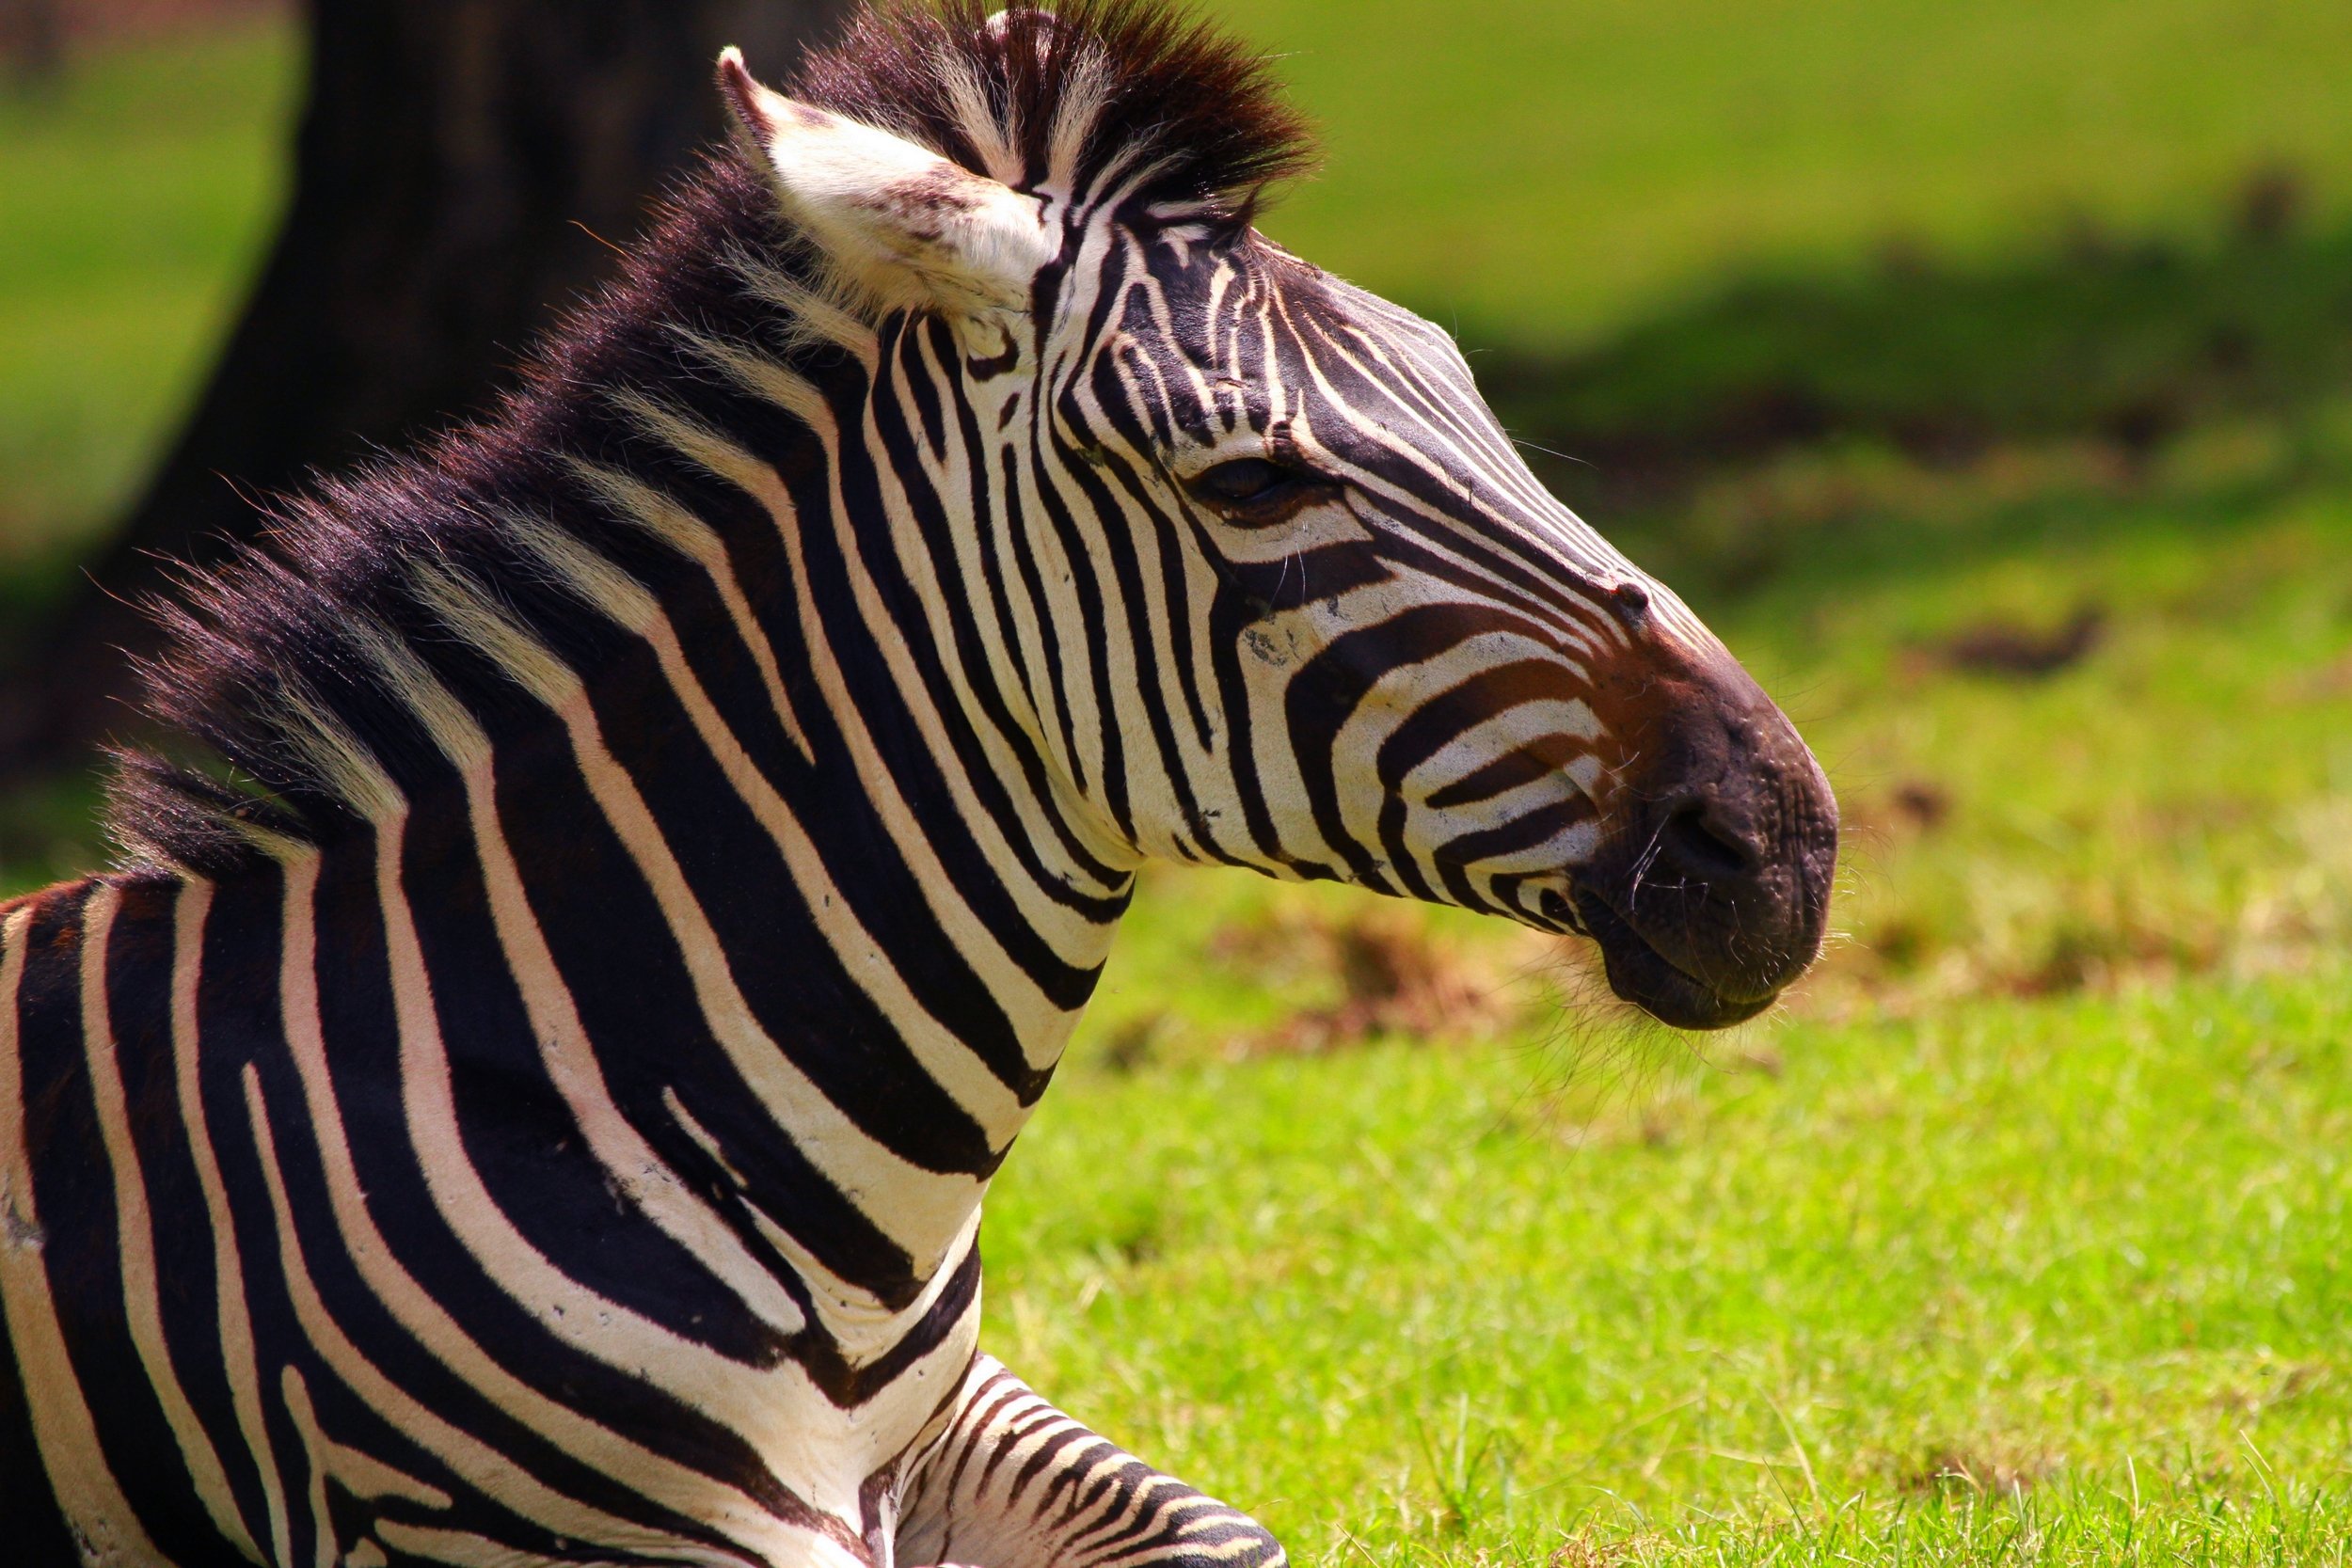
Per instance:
x=904, y=225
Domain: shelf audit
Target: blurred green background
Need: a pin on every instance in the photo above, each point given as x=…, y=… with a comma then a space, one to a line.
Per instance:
x=1984, y=374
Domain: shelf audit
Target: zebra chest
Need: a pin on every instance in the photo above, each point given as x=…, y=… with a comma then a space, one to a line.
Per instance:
x=652, y=1387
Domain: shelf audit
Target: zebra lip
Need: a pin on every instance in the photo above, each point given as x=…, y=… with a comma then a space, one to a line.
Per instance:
x=1640, y=975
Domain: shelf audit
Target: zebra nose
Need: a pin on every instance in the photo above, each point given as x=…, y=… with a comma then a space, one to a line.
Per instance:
x=1713, y=892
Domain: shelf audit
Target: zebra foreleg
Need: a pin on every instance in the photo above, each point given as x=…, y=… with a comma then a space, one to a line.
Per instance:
x=1015, y=1483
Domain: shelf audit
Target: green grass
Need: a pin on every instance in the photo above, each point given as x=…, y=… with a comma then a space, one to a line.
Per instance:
x=1555, y=170
x=132, y=203
x=1421, y=1304
x=2020, y=1237
x=2177, y=801
x=2125, y=337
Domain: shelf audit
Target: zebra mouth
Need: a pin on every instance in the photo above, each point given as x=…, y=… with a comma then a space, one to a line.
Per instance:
x=1640, y=975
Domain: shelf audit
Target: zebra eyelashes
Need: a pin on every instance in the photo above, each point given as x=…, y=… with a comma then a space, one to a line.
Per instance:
x=1259, y=491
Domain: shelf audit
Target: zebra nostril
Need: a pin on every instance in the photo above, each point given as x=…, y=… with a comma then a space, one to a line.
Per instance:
x=1699, y=844
x=1631, y=599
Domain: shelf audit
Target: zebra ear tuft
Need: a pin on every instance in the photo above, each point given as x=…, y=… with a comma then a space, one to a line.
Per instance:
x=902, y=226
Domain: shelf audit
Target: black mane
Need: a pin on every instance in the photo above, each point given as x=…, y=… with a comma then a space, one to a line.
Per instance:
x=259, y=649
x=1173, y=88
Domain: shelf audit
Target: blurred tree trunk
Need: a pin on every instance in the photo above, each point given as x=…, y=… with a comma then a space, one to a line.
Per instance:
x=460, y=168
x=32, y=43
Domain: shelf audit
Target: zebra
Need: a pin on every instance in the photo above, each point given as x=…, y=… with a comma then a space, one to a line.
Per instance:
x=613, y=883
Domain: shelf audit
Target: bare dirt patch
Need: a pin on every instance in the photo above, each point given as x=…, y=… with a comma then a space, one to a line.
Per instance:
x=2004, y=648
x=1392, y=979
x=1965, y=1468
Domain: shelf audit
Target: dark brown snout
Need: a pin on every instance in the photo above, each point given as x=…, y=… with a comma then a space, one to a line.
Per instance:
x=1712, y=892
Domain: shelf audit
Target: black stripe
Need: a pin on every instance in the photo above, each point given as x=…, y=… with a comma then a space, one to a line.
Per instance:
x=30, y=1519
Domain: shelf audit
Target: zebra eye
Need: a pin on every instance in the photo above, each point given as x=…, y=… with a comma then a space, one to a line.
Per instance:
x=1253, y=484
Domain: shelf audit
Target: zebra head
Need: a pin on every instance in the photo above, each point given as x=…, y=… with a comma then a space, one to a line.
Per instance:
x=1281, y=591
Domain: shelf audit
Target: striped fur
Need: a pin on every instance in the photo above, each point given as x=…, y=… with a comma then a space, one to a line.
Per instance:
x=528, y=1099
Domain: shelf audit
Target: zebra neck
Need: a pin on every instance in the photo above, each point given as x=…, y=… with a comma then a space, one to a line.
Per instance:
x=784, y=859
x=688, y=716
x=730, y=967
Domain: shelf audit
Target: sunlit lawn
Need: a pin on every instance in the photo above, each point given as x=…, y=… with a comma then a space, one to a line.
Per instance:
x=2074, y=1269
x=1550, y=170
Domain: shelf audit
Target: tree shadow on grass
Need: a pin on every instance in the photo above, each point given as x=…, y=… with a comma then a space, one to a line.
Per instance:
x=2111, y=351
